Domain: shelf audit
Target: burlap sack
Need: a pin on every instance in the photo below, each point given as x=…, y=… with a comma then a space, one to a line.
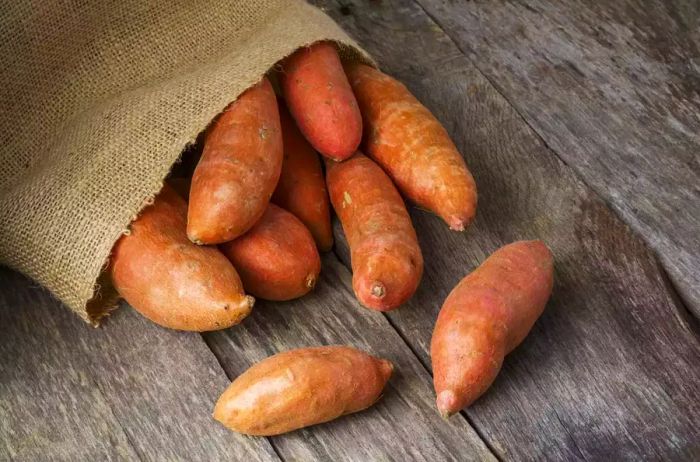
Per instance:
x=99, y=99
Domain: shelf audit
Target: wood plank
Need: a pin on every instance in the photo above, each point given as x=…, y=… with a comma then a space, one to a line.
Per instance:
x=403, y=425
x=614, y=89
x=612, y=369
x=127, y=391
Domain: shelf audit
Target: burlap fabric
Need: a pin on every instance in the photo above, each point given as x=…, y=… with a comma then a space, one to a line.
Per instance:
x=98, y=100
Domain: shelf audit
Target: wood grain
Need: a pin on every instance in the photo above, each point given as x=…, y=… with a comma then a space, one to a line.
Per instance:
x=128, y=391
x=613, y=88
x=610, y=372
x=612, y=369
x=403, y=425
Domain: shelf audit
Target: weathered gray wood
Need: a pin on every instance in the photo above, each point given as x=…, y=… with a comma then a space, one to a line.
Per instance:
x=403, y=425
x=613, y=88
x=127, y=391
x=612, y=369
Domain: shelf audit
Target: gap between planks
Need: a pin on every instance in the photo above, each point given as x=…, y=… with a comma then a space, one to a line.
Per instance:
x=128, y=439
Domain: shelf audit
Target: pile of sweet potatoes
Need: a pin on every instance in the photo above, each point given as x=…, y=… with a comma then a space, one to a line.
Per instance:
x=256, y=211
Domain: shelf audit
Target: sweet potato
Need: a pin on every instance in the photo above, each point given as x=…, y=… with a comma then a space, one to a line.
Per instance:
x=277, y=259
x=320, y=99
x=239, y=168
x=172, y=281
x=413, y=147
x=302, y=188
x=387, y=263
x=484, y=318
x=302, y=387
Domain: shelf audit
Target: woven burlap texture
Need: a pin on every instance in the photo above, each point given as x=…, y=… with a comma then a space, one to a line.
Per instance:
x=100, y=98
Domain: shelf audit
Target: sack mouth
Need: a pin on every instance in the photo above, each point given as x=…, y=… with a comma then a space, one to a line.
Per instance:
x=98, y=140
x=104, y=299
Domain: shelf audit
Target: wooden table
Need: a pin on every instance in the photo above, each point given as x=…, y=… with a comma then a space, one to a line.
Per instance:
x=580, y=122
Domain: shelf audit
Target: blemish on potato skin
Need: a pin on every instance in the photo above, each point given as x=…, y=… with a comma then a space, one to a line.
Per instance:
x=347, y=200
x=373, y=226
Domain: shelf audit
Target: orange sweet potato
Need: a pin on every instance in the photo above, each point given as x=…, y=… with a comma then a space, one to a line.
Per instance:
x=302, y=188
x=239, y=168
x=277, y=259
x=172, y=281
x=302, y=387
x=413, y=147
x=320, y=99
x=387, y=263
x=484, y=318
